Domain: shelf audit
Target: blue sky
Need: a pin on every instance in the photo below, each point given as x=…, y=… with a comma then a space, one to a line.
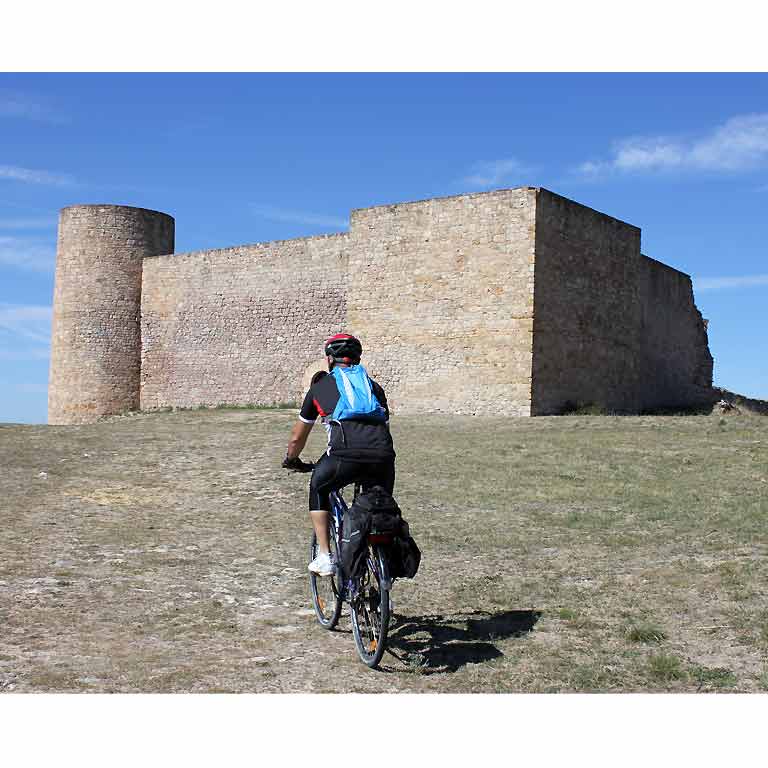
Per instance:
x=253, y=157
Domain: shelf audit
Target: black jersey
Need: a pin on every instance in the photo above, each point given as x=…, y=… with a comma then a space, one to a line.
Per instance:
x=350, y=439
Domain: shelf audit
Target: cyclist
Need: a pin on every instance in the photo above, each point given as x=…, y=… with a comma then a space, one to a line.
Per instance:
x=359, y=450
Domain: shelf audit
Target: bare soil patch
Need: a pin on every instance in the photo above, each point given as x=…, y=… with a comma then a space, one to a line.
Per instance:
x=167, y=553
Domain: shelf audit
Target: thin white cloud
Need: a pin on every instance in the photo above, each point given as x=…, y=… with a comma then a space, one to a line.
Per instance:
x=22, y=223
x=702, y=284
x=299, y=217
x=494, y=173
x=739, y=144
x=18, y=105
x=27, y=253
x=25, y=331
x=33, y=176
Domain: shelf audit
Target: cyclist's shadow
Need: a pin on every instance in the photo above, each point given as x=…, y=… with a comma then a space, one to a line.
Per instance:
x=446, y=643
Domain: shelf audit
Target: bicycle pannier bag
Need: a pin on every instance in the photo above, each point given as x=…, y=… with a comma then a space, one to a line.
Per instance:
x=403, y=553
x=383, y=509
x=376, y=512
x=354, y=541
x=404, y=556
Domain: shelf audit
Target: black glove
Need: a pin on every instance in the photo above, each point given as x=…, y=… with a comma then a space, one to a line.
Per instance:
x=297, y=465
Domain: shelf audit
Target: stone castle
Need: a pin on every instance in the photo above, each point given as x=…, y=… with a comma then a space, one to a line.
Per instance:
x=511, y=302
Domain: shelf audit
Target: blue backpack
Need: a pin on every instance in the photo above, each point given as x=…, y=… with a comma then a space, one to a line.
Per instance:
x=356, y=397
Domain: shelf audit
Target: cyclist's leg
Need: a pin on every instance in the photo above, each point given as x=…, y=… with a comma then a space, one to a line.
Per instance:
x=381, y=473
x=350, y=472
x=331, y=474
x=335, y=473
x=320, y=486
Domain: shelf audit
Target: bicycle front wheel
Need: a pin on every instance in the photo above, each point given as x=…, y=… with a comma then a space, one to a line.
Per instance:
x=326, y=599
x=370, y=609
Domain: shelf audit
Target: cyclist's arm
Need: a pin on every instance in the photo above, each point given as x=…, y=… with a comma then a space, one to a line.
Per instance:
x=298, y=440
x=303, y=426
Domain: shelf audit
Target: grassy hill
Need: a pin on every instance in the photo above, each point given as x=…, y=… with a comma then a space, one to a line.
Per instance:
x=167, y=552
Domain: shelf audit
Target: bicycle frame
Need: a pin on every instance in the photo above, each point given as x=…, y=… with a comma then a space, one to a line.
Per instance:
x=338, y=510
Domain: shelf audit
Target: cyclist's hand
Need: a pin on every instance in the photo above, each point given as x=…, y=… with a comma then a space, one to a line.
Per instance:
x=297, y=465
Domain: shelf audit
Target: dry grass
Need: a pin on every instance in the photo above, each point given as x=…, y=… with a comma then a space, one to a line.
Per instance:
x=167, y=552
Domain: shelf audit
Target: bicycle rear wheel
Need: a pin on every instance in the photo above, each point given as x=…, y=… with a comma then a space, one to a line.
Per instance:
x=326, y=599
x=370, y=609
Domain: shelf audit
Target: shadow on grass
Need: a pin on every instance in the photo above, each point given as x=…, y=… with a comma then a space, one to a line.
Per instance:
x=428, y=644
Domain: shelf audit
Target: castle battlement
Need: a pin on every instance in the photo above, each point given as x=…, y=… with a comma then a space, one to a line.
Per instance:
x=549, y=302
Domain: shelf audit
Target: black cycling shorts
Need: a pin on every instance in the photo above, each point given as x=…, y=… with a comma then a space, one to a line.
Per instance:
x=332, y=473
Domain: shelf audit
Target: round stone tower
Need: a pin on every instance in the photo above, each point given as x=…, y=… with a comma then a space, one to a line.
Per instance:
x=96, y=330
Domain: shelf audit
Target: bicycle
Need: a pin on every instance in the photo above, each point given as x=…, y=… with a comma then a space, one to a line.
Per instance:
x=368, y=595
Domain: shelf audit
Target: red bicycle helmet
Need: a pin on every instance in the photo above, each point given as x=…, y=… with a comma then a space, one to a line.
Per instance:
x=344, y=348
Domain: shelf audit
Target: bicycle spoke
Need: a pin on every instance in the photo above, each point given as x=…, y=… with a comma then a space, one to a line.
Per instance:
x=370, y=612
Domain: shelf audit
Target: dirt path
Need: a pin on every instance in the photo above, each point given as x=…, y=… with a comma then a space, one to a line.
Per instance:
x=167, y=552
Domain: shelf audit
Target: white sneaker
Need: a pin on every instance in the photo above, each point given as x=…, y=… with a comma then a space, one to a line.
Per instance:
x=323, y=565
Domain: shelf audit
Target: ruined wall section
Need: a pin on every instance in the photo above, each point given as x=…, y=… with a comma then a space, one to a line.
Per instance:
x=514, y=302
x=441, y=293
x=676, y=365
x=239, y=325
x=95, y=334
x=587, y=309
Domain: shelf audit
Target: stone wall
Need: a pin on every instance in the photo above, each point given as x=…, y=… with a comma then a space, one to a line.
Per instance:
x=676, y=366
x=587, y=309
x=612, y=327
x=515, y=302
x=95, y=335
x=437, y=286
x=239, y=325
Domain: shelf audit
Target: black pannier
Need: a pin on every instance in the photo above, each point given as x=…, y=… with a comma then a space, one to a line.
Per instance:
x=386, y=517
x=403, y=554
x=354, y=541
x=376, y=513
